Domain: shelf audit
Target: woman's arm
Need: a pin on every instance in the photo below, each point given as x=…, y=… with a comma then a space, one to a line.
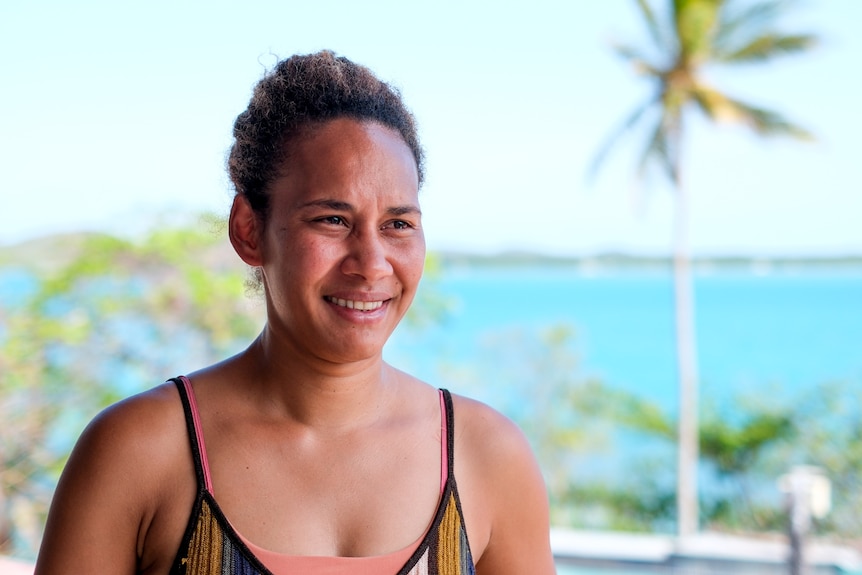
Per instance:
x=108, y=492
x=510, y=501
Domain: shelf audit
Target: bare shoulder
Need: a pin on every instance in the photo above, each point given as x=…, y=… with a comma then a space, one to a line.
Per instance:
x=113, y=485
x=486, y=436
x=502, y=492
x=155, y=402
x=140, y=431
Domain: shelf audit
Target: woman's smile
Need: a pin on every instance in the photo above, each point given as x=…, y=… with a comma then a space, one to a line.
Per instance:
x=358, y=305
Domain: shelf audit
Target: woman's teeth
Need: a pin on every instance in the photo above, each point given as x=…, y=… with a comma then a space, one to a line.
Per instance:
x=351, y=304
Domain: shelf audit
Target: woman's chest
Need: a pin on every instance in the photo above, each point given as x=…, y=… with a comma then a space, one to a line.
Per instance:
x=329, y=500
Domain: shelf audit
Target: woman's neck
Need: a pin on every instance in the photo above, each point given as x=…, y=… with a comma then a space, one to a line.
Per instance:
x=312, y=390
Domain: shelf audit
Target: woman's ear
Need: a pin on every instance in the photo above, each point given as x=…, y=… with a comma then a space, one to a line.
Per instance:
x=245, y=231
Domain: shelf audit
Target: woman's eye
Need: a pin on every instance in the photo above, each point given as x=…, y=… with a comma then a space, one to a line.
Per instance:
x=334, y=220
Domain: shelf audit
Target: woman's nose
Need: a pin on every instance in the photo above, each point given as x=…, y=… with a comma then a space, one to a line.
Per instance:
x=367, y=256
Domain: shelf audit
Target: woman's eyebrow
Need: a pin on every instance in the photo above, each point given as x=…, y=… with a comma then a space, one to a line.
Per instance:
x=337, y=205
x=403, y=210
x=341, y=206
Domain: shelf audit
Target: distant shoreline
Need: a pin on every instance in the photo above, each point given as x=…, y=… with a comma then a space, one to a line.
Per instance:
x=639, y=262
x=54, y=250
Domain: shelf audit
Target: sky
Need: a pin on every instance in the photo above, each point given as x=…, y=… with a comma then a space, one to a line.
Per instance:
x=116, y=115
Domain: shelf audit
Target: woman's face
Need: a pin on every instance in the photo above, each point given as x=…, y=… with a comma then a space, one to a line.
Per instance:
x=343, y=250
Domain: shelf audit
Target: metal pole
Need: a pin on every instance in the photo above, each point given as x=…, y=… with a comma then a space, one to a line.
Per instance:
x=797, y=530
x=808, y=495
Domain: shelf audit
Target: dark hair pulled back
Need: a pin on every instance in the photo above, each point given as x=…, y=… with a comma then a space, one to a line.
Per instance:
x=299, y=93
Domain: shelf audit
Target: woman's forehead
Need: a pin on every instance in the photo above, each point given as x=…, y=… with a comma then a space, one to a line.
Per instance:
x=348, y=158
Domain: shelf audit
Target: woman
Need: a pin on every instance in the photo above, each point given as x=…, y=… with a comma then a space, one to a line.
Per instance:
x=309, y=454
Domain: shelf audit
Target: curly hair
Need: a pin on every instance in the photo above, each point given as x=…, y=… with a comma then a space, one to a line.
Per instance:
x=299, y=93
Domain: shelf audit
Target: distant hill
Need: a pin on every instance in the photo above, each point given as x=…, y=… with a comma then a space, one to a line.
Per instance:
x=44, y=253
x=49, y=252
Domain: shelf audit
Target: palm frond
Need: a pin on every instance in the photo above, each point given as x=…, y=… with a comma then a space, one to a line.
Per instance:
x=716, y=106
x=696, y=22
x=721, y=108
x=766, y=47
x=658, y=151
x=691, y=35
x=652, y=24
x=736, y=23
x=770, y=123
x=636, y=58
x=630, y=122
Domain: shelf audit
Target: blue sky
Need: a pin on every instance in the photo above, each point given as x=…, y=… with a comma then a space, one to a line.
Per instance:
x=115, y=114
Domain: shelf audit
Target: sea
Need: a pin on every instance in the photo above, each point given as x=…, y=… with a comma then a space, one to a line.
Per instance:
x=757, y=332
x=485, y=330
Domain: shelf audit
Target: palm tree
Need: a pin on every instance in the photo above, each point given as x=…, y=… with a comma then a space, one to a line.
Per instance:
x=690, y=36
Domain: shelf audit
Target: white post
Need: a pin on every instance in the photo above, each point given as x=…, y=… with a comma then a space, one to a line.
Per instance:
x=808, y=493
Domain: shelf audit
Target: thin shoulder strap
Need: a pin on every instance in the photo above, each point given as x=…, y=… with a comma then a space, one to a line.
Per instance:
x=448, y=437
x=195, y=430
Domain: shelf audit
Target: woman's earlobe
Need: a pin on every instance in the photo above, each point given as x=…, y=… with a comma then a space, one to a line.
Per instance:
x=244, y=231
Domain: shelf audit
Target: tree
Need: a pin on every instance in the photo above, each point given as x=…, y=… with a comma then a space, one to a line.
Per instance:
x=738, y=437
x=114, y=318
x=691, y=36
x=831, y=417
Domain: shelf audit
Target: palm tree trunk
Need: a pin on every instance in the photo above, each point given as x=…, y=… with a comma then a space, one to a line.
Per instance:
x=687, y=452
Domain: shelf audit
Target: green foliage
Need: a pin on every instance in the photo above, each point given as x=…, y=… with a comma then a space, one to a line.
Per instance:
x=627, y=409
x=578, y=426
x=733, y=440
x=829, y=419
x=535, y=383
x=430, y=306
x=735, y=448
x=117, y=317
x=745, y=444
x=571, y=420
x=637, y=503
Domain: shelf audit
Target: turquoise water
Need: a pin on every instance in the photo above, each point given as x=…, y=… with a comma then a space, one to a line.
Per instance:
x=786, y=331
x=791, y=330
x=781, y=333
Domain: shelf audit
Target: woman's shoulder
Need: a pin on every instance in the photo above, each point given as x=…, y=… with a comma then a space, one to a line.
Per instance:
x=492, y=451
x=495, y=467
x=487, y=433
x=139, y=437
x=139, y=421
x=129, y=461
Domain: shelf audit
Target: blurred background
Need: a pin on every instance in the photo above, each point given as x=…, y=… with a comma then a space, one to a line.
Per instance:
x=557, y=281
